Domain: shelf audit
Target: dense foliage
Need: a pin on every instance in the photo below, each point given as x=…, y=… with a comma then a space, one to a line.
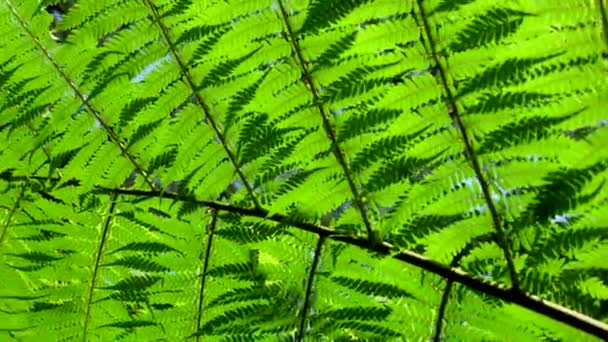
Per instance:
x=321, y=170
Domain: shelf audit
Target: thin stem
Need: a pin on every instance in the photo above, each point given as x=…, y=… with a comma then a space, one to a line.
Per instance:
x=444, y=303
x=310, y=283
x=200, y=100
x=604, y=14
x=100, y=248
x=307, y=78
x=211, y=231
x=469, y=150
x=449, y=282
x=11, y=213
x=72, y=84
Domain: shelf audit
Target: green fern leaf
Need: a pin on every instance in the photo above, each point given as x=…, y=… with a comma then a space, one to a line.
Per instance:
x=491, y=27
x=371, y=287
x=303, y=170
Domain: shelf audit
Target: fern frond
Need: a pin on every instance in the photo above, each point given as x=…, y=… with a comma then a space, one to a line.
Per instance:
x=303, y=170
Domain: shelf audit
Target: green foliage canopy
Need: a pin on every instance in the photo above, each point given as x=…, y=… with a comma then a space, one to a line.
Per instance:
x=291, y=170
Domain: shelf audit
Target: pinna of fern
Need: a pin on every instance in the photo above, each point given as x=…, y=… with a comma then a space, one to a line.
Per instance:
x=303, y=170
